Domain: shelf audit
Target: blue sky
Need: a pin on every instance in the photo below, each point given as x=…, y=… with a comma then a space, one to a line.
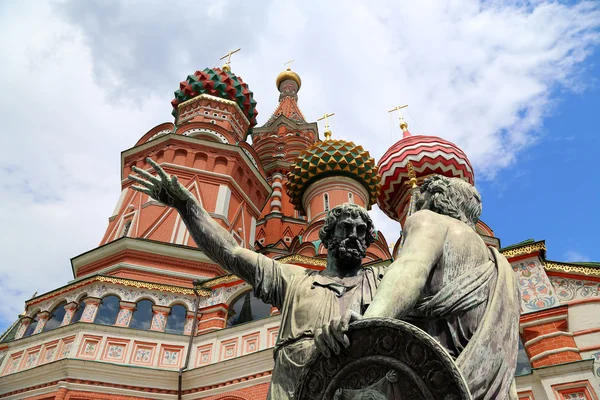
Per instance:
x=552, y=191
x=514, y=84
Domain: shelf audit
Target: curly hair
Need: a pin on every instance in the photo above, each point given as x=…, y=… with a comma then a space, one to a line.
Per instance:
x=453, y=197
x=334, y=215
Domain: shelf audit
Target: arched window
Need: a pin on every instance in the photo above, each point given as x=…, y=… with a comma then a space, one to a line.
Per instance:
x=108, y=310
x=247, y=308
x=142, y=316
x=31, y=326
x=56, y=318
x=326, y=201
x=350, y=198
x=79, y=312
x=176, y=320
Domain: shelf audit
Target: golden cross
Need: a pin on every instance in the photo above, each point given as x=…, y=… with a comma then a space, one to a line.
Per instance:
x=327, y=132
x=403, y=124
x=228, y=57
x=288, y=64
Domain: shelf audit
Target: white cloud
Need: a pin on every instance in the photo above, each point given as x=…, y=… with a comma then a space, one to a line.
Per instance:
x=575, y=256
x=82, y=81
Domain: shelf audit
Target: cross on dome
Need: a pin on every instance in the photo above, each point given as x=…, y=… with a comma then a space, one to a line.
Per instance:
x=327, y=132
x=403, y=124
x=227, y=56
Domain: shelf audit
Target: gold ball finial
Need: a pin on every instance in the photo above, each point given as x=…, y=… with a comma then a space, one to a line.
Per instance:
x=226, y=67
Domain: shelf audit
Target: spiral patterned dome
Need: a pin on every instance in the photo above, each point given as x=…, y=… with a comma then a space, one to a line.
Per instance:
x=428, y=155
x=332, y=157
x=219, y=83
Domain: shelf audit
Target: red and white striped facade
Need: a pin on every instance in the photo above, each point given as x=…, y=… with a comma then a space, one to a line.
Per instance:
x=428, y=155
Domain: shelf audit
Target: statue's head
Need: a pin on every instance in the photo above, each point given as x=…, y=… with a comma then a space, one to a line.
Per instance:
x=452, y=197
x=347, y=232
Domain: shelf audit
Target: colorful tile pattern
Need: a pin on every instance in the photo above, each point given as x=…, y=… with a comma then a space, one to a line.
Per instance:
x=13, y=364
x=66, y=349
x=536, y=290
x=24, y=325
x=49, y=353
x=89, y=313
x=124, y=317
x=159, y=321
x=42, y=319
x=115, y=352
x=189, y=323
x=68, y=316
x=575, y=396
x=143, y=355
x=572, y=289
x=170, y=357
x=31, y=359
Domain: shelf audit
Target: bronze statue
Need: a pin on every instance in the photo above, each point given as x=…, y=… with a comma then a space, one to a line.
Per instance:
x=307, y=299
x=450, y=284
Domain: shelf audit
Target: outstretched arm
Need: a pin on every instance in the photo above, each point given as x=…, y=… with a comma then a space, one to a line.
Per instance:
x=406, y=277
x=211, y=238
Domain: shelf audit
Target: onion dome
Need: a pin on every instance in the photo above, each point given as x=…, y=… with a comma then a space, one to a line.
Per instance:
x=220, y=83
x=288, y=74
x=428, y=155
x=332, y=157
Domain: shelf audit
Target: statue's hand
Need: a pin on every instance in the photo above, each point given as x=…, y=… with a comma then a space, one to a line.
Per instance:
x=163, y=188
x=332, y=337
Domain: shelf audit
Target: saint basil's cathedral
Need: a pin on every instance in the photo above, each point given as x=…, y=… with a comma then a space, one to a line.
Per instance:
x=149, y=316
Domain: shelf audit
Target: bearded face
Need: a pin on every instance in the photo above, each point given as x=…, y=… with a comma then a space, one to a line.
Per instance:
x=348, y=250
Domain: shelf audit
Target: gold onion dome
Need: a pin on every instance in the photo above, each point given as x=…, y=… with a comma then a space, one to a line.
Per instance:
x=329, y=158
x=288, y=74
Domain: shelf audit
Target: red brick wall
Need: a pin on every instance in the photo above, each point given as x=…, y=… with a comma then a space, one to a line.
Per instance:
x=256, y=392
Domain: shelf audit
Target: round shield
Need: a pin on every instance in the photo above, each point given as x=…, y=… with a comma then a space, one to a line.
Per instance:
x=387, y=359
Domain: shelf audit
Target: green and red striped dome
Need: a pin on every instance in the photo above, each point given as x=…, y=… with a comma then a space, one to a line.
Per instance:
x=219, y=83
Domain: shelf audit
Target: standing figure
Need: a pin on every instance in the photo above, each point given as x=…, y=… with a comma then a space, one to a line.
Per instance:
x=450, y=284
x=308, y=300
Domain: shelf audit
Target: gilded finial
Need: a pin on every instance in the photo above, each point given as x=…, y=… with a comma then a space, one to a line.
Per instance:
x=327, y=132
x=403, y=124
x=412, y=175
x=226, y=66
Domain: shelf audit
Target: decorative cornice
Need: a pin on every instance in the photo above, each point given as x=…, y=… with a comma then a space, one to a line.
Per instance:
x=297, y=258
x=221, y=280
x=571, y=268
x=118, y=281
x=527, y=249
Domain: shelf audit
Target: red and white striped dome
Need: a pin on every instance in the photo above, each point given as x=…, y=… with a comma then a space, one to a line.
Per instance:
x=428, y=155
